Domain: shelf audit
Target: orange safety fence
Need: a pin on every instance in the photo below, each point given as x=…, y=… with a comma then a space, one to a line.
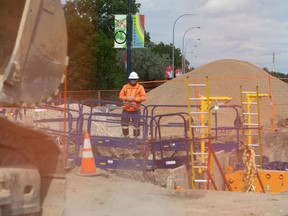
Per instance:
x=279, y=104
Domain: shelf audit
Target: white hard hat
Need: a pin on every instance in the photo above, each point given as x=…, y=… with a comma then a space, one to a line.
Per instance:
x=133, y=75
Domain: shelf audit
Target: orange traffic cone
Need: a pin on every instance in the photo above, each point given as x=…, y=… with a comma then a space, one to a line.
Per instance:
x=88, y=167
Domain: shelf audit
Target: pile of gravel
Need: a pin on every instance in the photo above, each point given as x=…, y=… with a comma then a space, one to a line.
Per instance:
x=225, y=78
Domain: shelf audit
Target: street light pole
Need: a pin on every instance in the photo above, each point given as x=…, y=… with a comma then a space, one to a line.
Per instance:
x=183, y=53
x=129, y=38
x=192, y=56
x=173, y=71
x=187, y=52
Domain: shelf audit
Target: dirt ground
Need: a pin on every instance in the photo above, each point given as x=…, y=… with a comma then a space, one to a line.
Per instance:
x=110, y=194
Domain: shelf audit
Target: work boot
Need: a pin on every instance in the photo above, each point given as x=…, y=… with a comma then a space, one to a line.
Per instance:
x=136, y=132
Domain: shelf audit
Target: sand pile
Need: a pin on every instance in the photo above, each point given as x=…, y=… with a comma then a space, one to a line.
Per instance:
x=225, y=78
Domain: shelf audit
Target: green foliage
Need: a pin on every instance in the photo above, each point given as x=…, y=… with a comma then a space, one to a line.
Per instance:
x=279, y=75
x=111, y=75
x=166, y=50
x=148, y=64
x=106, y=11
x=80, y=39
x=151, y=66
x=93, y=62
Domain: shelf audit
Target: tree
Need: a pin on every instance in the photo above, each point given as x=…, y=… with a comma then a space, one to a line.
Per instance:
x=107, y=9
x=163, y=49
x=94, y=63
x=90, y=25
x=149, y=64
x=111, y=75
x=282, y=76
x=80, y=40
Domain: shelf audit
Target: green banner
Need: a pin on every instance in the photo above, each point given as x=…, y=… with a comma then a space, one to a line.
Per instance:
x=120, y=33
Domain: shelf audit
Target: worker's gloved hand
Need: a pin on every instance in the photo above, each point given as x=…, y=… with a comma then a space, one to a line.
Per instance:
x=130, y=99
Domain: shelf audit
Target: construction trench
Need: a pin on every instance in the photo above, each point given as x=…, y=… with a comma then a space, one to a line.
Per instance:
x=189, y=148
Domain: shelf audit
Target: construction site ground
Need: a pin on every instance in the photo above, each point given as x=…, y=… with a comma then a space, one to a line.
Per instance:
x=131, y=193
x=112, y=193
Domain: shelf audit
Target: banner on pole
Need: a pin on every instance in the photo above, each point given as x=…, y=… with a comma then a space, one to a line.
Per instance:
x=178, y=72
x=138, y=31
x=169, y=72
x=120, y=32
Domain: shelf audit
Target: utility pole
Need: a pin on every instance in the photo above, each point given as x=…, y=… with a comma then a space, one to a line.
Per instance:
x=129, y=38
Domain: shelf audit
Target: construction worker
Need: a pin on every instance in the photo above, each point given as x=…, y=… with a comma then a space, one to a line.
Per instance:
x=132, y=94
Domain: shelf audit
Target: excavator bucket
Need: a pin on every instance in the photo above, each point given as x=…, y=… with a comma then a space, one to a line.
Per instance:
x=33, y=47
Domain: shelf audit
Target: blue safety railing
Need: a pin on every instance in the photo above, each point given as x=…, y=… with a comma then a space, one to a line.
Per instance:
x=153, y=149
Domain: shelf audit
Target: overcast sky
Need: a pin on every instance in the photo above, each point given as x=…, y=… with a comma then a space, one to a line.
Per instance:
x=249, y=30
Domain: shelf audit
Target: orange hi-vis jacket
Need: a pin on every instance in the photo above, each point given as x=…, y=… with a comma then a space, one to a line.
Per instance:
x=136, y=92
